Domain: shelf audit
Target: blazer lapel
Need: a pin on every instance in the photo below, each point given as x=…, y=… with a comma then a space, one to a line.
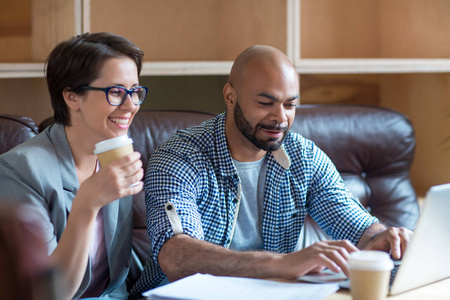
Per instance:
x=57, y=135
x=110, y=217
x=112, y=225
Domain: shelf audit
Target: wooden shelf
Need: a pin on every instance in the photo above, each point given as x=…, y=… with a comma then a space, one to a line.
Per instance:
x=309, y=66
x=22, y=70
x=186, y=68
x=372, y=66
x=36, y=70
x=304, y=66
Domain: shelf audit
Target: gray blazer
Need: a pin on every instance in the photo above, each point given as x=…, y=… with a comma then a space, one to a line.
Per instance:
x=41, y=173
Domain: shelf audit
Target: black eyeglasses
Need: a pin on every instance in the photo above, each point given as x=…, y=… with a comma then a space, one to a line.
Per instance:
x=116, y=95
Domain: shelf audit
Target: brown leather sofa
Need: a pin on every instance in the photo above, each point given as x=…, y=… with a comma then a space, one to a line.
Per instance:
x=15, y=130
x=372, y=148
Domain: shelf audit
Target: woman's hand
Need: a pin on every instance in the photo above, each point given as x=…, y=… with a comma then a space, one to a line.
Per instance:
x=119, y=179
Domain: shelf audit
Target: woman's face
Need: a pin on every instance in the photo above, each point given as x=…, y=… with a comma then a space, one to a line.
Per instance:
x=97, y=117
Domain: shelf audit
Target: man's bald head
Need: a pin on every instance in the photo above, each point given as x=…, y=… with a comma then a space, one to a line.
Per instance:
x=257, y=58
x=260, y=95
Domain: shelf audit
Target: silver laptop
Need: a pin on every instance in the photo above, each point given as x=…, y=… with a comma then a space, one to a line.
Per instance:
x=427, y=258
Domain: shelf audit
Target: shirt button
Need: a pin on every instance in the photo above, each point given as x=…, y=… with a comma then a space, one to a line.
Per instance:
x=228, y=241
x=235, y=200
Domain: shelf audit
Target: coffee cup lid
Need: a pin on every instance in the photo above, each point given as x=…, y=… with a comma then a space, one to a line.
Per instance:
x=370, y=260
x=113, y=143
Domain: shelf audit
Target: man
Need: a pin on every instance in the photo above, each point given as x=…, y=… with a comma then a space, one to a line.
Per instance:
x=229, y=197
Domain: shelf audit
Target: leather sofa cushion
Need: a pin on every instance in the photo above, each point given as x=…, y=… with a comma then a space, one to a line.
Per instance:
x=15, y=130
x=373, y=149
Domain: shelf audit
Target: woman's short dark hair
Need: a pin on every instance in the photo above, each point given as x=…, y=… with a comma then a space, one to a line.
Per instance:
x=77, y=62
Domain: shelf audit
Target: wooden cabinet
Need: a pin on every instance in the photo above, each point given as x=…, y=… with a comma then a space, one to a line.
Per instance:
x=388, y=53
x=392, y=53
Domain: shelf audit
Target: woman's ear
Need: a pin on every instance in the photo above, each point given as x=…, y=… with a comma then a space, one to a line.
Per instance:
x=229, y=95
x=71, y=99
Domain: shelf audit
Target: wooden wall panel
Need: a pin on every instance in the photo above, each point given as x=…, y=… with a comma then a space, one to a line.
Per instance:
x=25, y=97
x=15, y=18
x=415, y=29
x=52, y=22
x=15, y=49
x=178, y=30
x=424, y=98
x=339, y=89
x=339, y=29
x=15, y=31
x=375, y=29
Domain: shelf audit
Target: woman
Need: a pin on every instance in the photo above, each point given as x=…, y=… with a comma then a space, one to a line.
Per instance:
x=85, y=210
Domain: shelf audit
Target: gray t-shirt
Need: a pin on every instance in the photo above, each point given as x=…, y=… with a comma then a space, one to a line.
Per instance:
x=248, y=228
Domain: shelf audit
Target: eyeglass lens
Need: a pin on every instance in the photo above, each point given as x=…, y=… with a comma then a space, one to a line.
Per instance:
x=118, y=95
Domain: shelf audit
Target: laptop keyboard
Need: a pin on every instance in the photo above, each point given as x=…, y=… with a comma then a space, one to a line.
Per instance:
x=394, y=271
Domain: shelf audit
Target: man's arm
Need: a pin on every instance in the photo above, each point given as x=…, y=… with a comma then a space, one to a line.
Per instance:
x=330, y=191
x=394, y=240
x=182, y=256
x=369, y=234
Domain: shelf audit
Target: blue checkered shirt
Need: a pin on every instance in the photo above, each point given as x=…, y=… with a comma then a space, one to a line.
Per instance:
x=194, y=170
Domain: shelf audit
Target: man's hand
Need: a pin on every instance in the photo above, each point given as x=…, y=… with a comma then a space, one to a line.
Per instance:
x=325, y=254
x=394, y=240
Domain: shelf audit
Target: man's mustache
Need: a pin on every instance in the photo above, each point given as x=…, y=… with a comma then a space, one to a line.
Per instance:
x=276, y=127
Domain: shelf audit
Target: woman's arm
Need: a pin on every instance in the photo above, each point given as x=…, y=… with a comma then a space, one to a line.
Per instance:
x=104, y=187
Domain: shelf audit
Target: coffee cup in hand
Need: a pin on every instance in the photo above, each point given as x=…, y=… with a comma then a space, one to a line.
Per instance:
x=110, y=150
x=369, y=274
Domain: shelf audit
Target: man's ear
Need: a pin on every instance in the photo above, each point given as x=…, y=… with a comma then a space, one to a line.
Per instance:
x=229, y=95
x=71, y=99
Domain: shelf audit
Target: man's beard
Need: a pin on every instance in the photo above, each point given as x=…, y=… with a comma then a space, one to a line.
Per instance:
x=249, y=132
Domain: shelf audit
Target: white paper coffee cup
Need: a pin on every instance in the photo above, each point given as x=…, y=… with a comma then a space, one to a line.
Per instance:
x=369, y=274
x=110, y=150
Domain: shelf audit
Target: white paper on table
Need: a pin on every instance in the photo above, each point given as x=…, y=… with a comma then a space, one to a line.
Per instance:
x=324, y=276
x=207, y=287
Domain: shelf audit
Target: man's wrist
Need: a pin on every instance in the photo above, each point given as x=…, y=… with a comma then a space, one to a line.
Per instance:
x=370, y=234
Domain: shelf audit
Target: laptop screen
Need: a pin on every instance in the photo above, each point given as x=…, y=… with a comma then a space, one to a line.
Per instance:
x=427, y=258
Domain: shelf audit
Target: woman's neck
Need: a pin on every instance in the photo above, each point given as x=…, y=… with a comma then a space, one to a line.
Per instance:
x=82, y=153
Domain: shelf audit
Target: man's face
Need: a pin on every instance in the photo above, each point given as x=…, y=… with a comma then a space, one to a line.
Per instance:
x=266, y=98
x=270, y=143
